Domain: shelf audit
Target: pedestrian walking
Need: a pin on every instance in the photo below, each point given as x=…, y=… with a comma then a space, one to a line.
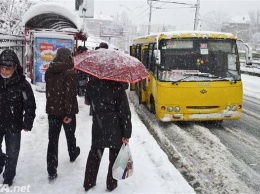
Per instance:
x=111, y=127
x=61, y=107
x=82, y=77
x=17, y=111
x=104, y=46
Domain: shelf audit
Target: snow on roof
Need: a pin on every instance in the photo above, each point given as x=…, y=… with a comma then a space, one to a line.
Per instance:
x=243, y=19
x=198, y=33
x=10, y=40
x=50, y=7
x=10, y=37
x=185, y=34
x=53, y=35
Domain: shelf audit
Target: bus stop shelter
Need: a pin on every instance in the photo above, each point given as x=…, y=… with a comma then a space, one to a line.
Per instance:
x=50, y=21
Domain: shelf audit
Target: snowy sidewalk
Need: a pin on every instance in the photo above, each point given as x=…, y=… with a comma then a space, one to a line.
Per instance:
x=153, y=173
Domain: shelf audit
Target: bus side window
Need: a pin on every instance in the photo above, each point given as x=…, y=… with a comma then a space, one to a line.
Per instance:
x=151, y=59
x=131, y=51
x=153, y=62
x=150, y=53
x=138, y=52
x=134, y=52
x=145, y=58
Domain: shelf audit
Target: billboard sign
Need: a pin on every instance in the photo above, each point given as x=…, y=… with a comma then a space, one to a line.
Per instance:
x=45, y=52
x=111, y=30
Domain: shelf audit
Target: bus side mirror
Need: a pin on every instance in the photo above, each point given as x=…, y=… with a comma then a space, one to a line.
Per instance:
x=249, y=56
x=157, y=55
x=249, y=53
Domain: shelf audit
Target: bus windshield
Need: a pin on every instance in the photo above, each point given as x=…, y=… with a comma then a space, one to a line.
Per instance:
x=212, y=58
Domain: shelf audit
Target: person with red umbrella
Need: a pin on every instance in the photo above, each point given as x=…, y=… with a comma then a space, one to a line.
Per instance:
x=111, y=64
x=101, y=45
x=111, y=126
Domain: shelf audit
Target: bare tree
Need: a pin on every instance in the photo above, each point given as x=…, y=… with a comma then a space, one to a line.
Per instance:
x=11, y=13
x=213, y=20
x=255, y=20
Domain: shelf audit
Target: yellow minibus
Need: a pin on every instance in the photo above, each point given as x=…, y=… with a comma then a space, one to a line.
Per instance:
x=193, y=75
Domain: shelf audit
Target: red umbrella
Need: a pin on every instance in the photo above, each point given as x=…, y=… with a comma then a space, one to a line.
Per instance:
x=111, y=65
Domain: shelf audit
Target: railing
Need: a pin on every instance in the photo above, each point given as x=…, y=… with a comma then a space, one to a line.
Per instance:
x=15, y=43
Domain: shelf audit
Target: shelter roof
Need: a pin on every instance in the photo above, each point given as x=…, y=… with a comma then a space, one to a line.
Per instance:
x=51, y=16
x=242, y=19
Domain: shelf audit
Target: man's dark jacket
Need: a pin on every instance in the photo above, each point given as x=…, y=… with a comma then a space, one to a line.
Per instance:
x=111, y=113
x=61, y=87
x=17, y=103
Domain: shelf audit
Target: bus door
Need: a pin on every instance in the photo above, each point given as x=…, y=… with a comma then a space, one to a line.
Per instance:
x=141, y=86
x=138, y=85
x=133, y=54
x=151, y=80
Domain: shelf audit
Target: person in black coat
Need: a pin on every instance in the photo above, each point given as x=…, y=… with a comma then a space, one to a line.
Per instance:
x=17, y=111
x=104, y=46
x=61, y=107
x=110, y=129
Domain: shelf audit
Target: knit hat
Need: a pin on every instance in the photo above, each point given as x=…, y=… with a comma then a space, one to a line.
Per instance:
x=63, y=53
x=9, y=58
x=102, y=45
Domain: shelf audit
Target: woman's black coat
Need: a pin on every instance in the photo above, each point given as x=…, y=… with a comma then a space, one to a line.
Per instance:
x=17, y=103
x=111, y=113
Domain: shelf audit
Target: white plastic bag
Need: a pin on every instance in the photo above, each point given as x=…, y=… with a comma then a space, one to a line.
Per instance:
x=123, y=166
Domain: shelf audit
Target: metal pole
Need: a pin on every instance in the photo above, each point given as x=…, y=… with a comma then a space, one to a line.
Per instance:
x=130, y=26
x=150, y=18
x=197, y=15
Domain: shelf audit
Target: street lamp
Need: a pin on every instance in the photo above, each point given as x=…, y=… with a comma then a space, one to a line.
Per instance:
x=131, y=24
x=197, y=15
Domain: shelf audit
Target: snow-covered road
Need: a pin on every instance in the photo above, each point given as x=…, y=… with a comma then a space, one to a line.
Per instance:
x=200, y=152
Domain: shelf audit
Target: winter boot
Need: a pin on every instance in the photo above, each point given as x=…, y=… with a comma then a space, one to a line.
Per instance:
x=8, y=182
x=2, y=163
x=76, y=154
x=52, y=176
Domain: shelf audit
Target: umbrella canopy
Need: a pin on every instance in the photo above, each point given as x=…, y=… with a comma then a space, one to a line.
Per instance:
x=111, y=65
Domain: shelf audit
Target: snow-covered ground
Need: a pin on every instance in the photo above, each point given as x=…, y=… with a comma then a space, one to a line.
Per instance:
x=251, y=84
x=153, y=172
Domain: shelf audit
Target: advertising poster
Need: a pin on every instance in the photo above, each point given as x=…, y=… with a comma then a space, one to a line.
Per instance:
x=45, y=52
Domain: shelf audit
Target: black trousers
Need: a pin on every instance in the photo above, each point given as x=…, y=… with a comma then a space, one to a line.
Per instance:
x=9, y=160
x=55, y=124
x=92, y=167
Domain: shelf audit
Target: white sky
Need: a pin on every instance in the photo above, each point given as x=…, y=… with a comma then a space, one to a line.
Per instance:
x=180, y=16
x=176, y=15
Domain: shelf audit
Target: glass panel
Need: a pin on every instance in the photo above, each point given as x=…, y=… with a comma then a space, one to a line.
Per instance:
x=178, y=44
x=216, y=57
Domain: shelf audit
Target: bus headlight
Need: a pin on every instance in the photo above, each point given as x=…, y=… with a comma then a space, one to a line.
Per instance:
x=170, y=109
x=228, y=108
x=234, y=108
x=177, y=109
